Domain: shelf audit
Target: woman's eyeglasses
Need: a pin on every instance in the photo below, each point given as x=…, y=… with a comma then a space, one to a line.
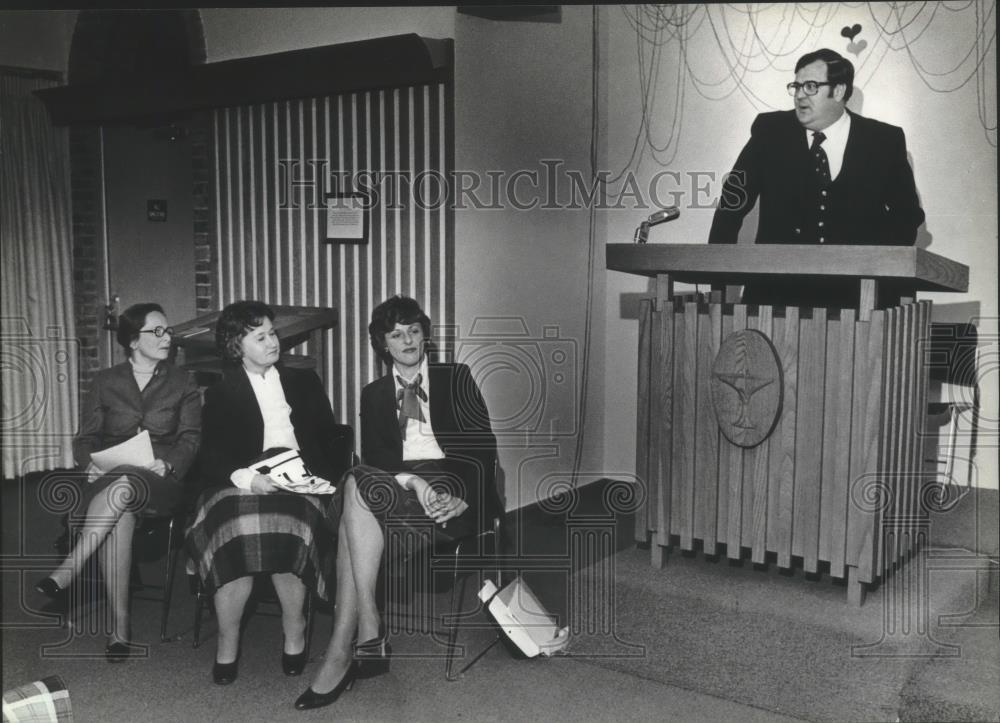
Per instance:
x=159, y=331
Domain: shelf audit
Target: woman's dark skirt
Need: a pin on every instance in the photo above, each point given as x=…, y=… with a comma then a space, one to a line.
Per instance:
x=141, y=490
x=397, y=507
x=238, y=533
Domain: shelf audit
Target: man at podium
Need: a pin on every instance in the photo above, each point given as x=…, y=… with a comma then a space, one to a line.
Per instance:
x=823, y=175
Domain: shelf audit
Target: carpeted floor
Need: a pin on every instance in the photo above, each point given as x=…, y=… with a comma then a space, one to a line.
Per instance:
x=700, y=640
x=792, y=645
x=173, y=682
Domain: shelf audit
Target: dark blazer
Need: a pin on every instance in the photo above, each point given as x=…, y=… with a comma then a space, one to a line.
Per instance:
x=877, y=200
x=115, y=410
x=881, y=197
x=233, y=427
x=461, y=425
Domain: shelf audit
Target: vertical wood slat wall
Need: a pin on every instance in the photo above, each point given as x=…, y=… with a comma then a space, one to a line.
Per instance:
x=279, y=255
x=842, y=465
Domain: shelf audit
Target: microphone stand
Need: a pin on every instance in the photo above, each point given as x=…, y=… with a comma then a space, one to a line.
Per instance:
x=641, y=233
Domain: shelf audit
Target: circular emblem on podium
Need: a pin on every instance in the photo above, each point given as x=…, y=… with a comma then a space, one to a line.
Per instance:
x=746, y=388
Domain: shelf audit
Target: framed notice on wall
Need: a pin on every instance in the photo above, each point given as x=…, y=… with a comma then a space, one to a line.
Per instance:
x=347, y=218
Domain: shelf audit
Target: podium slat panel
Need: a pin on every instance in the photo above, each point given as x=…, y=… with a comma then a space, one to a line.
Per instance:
x=891, y=432
x=905, y=473
x=686, y=392
x=901, y=473
x=866, y=421
x=643, y=447
x=680, y=411
x=782, y=453
x=920, y=406
x=923, y=350
x=758, y=463
x=809, y=446
x=655, y=419
x=749, y=456
x=896, y=479
x=919, y=417
x=707, y=460
x=773, y=444
x=908, y=471
x=731, y=459
x=837, y=455
x=665, y=411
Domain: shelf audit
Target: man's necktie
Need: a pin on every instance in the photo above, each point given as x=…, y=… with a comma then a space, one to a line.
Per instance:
x=408, y=400
x=822, y=163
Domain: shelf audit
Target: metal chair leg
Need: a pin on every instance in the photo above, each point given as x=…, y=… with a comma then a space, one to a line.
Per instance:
x=458, y=595
x=199, y=601
x=309, y=610
x=168, y=581
x=456, y=599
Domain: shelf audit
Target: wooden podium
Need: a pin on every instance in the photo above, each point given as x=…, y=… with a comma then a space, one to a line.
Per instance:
x=789, y=431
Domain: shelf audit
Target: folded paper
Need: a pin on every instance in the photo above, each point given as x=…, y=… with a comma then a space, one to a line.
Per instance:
x=136, y=451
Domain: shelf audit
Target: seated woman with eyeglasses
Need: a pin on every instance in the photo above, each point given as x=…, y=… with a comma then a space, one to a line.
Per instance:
x=143, y=393
x=250, y=525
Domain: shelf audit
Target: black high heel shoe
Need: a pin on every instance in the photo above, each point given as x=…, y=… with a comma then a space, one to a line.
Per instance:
x=119, y=652
x=372, y=656
x=293, y=664
x=225, y=673
x=58, y=595
x=311, y=699
x=50, y=588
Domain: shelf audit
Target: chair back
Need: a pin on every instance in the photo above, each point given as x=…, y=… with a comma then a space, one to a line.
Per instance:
x=952, y=353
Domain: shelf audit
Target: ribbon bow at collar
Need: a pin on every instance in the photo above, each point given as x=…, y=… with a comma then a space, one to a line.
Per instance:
x=408, y=400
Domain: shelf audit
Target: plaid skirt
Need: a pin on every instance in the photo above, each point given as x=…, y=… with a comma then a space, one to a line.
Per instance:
x=44, y=701
x=238, y=533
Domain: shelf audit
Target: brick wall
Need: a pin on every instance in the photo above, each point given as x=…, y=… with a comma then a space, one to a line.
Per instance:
x=102, y=43
x=88, y=222
x=204, y=234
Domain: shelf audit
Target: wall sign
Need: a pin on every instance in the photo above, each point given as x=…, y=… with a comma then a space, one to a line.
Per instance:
x=347, y=218
x=156, y=209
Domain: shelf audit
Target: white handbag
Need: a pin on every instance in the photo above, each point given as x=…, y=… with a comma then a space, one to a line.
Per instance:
x=524, y=619
x=289, y=471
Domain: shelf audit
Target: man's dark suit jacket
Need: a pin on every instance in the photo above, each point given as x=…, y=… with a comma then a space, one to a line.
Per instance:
x=233, y=427
x=461, y=426
x=878, y=198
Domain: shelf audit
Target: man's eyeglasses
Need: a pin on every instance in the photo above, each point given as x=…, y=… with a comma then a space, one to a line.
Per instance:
x=159, y=331
x=810, y=87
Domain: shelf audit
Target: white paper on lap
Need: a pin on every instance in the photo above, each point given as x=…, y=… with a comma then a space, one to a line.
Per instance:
x=136, y=451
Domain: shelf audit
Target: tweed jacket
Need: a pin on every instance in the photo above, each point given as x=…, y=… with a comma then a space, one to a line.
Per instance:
x=114, y=410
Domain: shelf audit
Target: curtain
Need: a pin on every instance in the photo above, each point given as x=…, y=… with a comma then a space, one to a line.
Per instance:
x=270, y=240
x=39, y=355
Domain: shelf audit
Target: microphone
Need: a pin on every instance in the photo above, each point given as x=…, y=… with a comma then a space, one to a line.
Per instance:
x=657, y=217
